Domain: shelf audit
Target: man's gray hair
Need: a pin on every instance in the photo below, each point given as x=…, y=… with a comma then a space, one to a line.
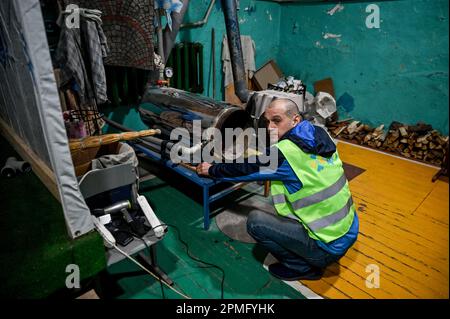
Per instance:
x=289, y=105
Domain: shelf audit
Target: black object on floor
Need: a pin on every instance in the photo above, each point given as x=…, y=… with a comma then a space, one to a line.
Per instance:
x=233, y=221
x=234, y=225
x=352, y=171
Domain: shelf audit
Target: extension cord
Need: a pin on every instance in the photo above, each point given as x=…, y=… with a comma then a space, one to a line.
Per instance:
x=111, y=241
x=151, y=217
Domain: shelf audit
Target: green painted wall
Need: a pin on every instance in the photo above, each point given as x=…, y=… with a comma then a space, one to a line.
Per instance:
x=397, y=72
x=261, y=21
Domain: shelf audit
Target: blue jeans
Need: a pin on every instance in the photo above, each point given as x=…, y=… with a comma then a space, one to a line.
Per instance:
x=288, y=241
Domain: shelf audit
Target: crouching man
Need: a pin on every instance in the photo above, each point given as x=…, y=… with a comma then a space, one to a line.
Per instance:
x=315, y=222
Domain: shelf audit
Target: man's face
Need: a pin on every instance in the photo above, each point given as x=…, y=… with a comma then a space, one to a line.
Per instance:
x=278, y=122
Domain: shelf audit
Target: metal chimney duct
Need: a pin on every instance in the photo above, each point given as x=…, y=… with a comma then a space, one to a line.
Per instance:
x=235, y=46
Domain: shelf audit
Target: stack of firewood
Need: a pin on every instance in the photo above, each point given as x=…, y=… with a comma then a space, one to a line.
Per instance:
x=419, y=141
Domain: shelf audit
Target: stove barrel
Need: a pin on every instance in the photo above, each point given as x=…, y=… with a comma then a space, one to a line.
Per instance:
x=167, y=108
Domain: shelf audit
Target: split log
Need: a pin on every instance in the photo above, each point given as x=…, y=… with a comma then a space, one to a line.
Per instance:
x=419, y=141
x=352, y=127
x=403, y=131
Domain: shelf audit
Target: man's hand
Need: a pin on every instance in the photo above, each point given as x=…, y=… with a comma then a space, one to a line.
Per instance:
x=202, y=168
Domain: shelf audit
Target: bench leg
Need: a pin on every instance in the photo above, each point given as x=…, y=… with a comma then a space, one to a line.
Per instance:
x=206, y=220
x=266, y=188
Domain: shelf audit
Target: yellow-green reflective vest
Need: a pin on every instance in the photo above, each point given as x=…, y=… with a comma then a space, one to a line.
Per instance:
x=324, y=203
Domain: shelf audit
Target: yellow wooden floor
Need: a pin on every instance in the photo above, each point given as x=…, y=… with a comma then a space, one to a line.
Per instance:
x=403, y=231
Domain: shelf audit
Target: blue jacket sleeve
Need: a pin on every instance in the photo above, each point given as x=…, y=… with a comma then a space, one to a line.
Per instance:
x=246, y=172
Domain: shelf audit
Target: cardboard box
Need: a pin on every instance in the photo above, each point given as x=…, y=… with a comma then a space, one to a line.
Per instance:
x=325, y=85
x=269, y=73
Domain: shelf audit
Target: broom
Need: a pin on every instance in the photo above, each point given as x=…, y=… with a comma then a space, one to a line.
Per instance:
x=96, y=141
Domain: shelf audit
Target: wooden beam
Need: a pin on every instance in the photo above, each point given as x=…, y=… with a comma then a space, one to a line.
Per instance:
x=40, y=168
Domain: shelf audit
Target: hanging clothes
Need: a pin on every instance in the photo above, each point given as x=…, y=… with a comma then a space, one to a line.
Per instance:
x=128, y=25
x=79, y=56
x=248, y=52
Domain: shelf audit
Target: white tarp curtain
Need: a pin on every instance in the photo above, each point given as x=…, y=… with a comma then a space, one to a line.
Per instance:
x=29, y=102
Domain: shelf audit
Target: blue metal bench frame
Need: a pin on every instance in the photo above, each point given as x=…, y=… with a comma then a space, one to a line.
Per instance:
x=203, y=182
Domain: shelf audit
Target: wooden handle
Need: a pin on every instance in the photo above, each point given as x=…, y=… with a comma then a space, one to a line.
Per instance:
x=95, y=141
x=188, y=166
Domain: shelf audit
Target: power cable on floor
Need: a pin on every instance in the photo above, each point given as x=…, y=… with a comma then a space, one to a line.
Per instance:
x=145, y=269
x=195, y=258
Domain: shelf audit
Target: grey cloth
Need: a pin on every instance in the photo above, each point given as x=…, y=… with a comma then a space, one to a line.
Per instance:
x=125, y=154
x=248, y=52
x=80, y=56
x=97, y=50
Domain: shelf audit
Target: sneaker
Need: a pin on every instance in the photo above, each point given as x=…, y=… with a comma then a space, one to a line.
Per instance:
x=282, y=272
